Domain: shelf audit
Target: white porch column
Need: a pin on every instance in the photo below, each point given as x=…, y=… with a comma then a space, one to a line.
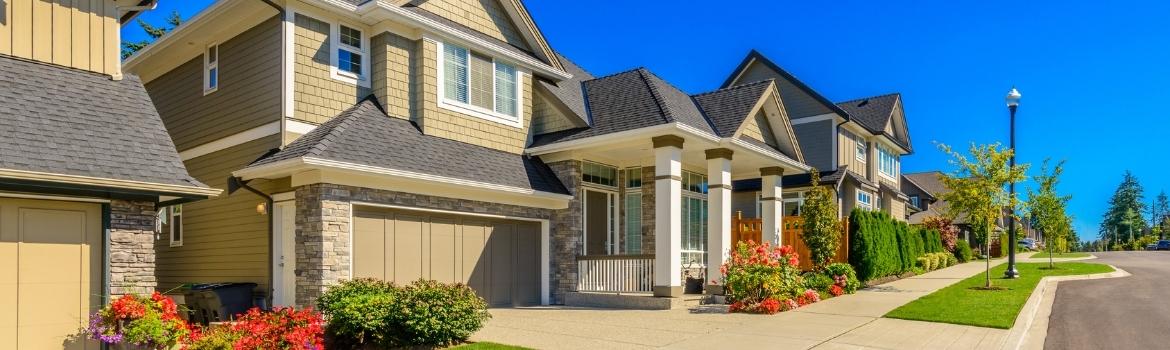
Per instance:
x=718, y=210
x=668, y=216
x=773, y=204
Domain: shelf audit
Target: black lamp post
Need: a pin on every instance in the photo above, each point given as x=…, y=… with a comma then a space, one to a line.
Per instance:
x=1013, y=101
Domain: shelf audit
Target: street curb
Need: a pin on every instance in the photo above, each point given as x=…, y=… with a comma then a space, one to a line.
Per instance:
x=1031, y=327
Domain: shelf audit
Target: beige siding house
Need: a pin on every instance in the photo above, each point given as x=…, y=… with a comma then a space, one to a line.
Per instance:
x=85, y=165
x=446, y=140
x=856, y=145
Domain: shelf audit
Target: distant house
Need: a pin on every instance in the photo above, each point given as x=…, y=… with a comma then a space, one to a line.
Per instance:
x=925, y=190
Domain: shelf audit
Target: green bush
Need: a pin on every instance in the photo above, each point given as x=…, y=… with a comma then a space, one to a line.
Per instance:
x=931, y=240
x=846, y=270
x=952, y=260
x=923, y=263
x=963, y=251
x=873, y=245
x=368, y=312
x=817, y=281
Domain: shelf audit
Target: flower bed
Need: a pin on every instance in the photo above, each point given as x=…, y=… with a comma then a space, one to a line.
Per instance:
x=760, y=278
x=148, y=322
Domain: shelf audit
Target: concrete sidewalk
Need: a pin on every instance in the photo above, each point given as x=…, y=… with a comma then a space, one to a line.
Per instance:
x=847, y=322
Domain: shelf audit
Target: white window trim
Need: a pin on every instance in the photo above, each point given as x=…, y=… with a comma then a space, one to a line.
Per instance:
x=171, y=214
x=625, y=217
x=863, y=204
x=207, y=66
x=363, y=79
x=882, y=151
x=864, y=150
x=476, y=111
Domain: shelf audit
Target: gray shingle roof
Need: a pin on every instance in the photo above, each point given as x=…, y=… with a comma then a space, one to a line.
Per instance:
x=472, y=32
x=728, y=108
x=874, y=113
x=66, y=121
x=570, y=92
x=630, y=100
x=365, y=135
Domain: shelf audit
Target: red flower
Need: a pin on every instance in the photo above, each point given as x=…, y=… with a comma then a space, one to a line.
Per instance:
x=770, y=306
x=836, y=290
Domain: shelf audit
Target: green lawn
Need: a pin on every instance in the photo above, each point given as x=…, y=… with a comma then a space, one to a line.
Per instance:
x=959, y=304
x=1060, y=255
x=488, y=346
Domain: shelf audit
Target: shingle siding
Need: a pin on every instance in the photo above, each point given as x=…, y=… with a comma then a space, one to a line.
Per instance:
x=394, y=72
x=816, y=143
x=484, y=16
x=318, y=96
x=248, y=94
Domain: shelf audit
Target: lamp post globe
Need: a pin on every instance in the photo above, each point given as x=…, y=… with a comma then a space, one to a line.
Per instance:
x=1013, y=101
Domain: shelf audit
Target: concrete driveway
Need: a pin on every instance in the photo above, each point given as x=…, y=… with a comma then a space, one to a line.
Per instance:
x=847, y=322
x=1125, y=313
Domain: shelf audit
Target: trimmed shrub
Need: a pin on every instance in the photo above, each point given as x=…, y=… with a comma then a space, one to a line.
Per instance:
x=817, y=281
x=873, y=246
x=963, y=252
x=369, y=312
x=952, y=260
x=843, y=275
x=923, y=263
x=931, y=240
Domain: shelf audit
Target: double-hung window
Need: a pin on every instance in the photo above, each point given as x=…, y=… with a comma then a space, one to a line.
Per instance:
x=349, y=51
x=479, y=85
x=859, y=144
x=694, y=219
x=865, y=200
x=887, y=162
x=211, y=69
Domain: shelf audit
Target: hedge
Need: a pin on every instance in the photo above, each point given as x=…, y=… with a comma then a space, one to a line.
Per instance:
x=881, y=246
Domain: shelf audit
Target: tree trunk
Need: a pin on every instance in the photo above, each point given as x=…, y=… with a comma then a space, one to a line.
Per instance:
x=987, y=271
x=1051, y=265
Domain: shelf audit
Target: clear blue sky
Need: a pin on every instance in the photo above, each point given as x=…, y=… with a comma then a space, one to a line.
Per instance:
x=1094, y=76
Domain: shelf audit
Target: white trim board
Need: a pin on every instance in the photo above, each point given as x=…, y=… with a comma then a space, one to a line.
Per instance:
x=544, y=237
x=53, y=198
x=239, y=138
x=298, y=127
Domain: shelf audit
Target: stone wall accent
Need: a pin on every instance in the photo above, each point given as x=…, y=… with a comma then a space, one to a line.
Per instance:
x=566, y=232
x=132, y=248
x=323, y=228
x=648, y=210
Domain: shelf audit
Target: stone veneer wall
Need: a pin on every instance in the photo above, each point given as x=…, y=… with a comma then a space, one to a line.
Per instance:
x=566, y=232
x=648, y=210
x=132, y=248
x=323, y=226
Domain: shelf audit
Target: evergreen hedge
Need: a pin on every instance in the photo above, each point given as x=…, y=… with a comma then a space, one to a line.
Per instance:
x=881, y=246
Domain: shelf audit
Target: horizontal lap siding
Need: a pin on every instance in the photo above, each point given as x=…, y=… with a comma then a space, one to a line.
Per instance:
x=797, y=103
x=226, y=239
x=816, y=143
x=248, y=95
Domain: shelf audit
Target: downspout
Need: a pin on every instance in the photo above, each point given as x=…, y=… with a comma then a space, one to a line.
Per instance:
x=235, y=183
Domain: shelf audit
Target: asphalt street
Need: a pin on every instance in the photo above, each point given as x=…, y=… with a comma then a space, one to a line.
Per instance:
x=1115, y=313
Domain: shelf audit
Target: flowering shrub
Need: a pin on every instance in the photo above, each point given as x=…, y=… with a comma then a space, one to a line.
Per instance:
x=369, y=312
x=283, y=328
x=844, y=277
x=151, y=322
x=836, y=290
x=808, y=297
x=759, y=276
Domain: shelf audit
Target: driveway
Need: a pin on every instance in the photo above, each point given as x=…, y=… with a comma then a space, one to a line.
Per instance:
x=1124, y=313
x=847, y=322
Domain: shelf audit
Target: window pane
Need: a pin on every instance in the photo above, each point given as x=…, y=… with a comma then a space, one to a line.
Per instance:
x=212, y=54
x=455, y=73
x=213, y=78
x=506, y=89
x=634, y=178
x=598, y=174
x=351, y=37
x=481, y=81
x=177, y=228
x=633, y=223
x=349, y=61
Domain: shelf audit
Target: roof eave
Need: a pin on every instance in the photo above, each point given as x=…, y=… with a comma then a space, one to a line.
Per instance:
x=161, y=188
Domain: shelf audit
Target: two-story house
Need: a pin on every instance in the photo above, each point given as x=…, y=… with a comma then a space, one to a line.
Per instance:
x=84, y=162
x=856, y=145
x=445, y=139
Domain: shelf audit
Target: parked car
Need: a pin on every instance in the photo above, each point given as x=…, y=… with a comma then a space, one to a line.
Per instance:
x=1028, y=243
x=1152, y=246
x=1163, y=245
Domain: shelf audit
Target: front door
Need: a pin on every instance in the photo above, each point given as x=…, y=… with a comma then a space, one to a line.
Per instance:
x=599, y=223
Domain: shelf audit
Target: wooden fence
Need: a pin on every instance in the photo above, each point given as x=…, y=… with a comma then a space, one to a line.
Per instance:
x=752, y=229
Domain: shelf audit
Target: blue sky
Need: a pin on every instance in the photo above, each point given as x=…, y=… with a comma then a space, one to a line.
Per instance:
x=1094, y=76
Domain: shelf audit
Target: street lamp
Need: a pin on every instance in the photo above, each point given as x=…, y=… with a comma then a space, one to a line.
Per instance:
x=1013, y=101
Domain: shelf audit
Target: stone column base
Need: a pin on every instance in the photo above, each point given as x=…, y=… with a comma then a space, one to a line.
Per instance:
x=668, y=291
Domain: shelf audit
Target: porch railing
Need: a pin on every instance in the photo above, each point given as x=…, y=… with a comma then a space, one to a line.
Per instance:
x=615, y=273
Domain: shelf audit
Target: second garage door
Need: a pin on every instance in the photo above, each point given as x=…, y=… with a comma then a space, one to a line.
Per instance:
x=500, y=259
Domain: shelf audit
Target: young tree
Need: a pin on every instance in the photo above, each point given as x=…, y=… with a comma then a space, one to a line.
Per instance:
x=1047, y=207
x=1125, y=214
x=821, y=229
x=130, y=47
x=978, y=187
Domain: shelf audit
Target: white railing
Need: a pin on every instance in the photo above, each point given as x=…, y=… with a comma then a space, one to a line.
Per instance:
x=615, y=273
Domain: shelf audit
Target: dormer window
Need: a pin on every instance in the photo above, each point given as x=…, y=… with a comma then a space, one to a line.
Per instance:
x=917, y=203
x=479, y=85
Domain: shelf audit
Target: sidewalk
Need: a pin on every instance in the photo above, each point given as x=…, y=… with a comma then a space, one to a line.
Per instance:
x=847, y=322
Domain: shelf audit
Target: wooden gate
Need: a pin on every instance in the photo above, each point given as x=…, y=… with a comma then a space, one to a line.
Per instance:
x=752, y=229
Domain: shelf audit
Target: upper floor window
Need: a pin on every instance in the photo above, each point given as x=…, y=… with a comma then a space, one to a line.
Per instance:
x=479, y=85
x=887, y=162
x=211, y=69
x=859, y=144
x=349, y=50
x=865, y=200
x=598, y=174
x=916, y=202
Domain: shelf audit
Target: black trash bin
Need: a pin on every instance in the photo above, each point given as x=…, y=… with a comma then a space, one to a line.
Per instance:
x=218, y=302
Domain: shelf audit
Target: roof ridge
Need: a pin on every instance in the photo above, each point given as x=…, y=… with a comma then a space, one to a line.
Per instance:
x=614, y=74
x=869, y=97
x=740, y=86
x=658, y=100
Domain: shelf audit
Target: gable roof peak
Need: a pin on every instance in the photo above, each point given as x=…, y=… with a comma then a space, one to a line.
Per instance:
x=867, y=99
x=736, y=87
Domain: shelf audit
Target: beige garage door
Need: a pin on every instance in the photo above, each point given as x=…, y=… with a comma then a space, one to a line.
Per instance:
x=50, y=272
x=500, y=259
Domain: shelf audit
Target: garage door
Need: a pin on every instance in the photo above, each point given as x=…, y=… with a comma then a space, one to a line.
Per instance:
x=50, y=272
x=500, y=259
